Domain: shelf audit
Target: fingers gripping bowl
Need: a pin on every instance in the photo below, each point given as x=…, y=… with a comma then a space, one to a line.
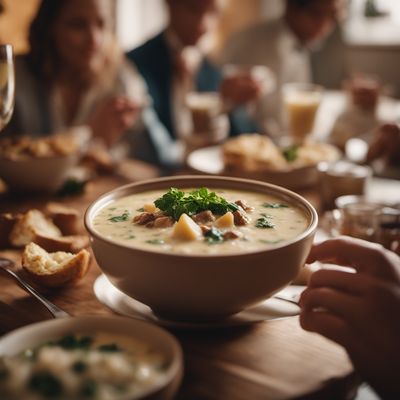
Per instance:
x=209, y=275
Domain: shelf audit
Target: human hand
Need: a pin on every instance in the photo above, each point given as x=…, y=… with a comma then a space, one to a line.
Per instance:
x=240, y=88
x=112, y=117
x=360, y=310
x=386, y=144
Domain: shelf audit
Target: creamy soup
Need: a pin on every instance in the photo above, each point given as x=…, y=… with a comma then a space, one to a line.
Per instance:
x=253, y=221
x=101, y=367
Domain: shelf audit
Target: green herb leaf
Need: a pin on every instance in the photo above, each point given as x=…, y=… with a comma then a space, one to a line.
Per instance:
x=72, y=187
x=71, y=342
x=109, y=348
x=214, y=236
x=264, y=223
x=120, y=218
x=78, y=367
x=275, y=205
x=88, y=388
x=291, y=153
x=155, y=241
x=176, y=202
x=46, y=384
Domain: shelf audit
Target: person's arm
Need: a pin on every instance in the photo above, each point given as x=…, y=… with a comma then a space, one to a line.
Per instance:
x=112, y=117
x=360, y=310
x=386, y=144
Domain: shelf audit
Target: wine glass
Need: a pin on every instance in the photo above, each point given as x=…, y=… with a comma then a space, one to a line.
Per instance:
x=7, y=84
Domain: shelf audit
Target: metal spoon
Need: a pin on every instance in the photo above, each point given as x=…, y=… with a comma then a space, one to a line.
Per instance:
x=52, y=308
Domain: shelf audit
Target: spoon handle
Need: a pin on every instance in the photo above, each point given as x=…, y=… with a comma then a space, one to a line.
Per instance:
x=52, y=308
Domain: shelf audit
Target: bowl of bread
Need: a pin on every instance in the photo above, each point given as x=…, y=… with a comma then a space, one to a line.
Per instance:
x=255, y=156
x=39, y=164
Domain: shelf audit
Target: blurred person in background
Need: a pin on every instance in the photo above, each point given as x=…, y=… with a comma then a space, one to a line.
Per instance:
x=385, y=145
x=173, y=64
x=358, y=310
x=284, y=46
x=74, y=74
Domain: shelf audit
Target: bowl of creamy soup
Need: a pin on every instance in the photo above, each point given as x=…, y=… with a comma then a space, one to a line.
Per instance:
x=200, y=247
x=91, y=357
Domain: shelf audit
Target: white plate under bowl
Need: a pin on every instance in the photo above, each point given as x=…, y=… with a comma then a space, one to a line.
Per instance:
x=123, y=304
x=33, y=335
x=209, y=160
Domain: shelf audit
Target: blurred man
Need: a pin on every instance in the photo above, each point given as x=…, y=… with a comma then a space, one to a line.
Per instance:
x=284, y=44
x=173, y=64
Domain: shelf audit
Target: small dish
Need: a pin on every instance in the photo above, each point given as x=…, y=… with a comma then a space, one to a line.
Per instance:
x=270, y=309
x=209, y=160
x=130, y=331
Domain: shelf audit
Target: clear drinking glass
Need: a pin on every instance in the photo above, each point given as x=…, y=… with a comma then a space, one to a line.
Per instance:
x=301, y=102
x=7, y=84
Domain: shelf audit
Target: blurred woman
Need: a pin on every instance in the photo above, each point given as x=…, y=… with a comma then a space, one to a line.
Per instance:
x=74, y=73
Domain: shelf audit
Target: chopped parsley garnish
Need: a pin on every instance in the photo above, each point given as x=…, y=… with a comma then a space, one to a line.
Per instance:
x=45, y=384
x=214, y=236
x=175, y=202
x=141, y=209
x=88, y=388
x=275, y=205
x=72, y=187
x=266, y=215
x=291, y=153
x=71, y=342
x=120, y=218
x=155, y=241
x=109, y=348
x=264, y=223
x=79, y=366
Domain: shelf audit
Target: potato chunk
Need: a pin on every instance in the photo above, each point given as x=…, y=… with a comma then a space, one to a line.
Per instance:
x=226, y=221
x=150, y=207
x=186, y=229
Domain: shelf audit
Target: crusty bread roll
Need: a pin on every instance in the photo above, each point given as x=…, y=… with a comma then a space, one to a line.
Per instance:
x=54, y=269
x=72, y=243
x=33, y=223
x=252, y=152
x=7, y=222
x=65, y=218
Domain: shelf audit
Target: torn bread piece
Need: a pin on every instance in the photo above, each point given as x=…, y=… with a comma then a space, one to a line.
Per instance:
x=7, y=222
x=72, y=243
x=33, y=223
x=54, y=269
x=65, y=218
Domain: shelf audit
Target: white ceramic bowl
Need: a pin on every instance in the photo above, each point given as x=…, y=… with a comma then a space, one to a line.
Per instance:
x=37, y=174
x=35, y=334
x=201, y=287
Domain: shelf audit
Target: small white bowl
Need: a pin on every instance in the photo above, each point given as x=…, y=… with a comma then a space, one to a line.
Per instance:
x=157, y=338
x=39, y=174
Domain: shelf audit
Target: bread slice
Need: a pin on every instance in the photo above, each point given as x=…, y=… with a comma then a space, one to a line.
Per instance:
x=54, y=269
x=65, y=218
x=32, y=223
x=72, y=243
x=7, y=222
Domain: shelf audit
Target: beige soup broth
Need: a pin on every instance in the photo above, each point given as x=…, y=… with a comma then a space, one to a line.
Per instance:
x=269, y=220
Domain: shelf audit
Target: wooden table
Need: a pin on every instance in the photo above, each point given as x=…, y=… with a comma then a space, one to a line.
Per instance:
x=267, y=360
